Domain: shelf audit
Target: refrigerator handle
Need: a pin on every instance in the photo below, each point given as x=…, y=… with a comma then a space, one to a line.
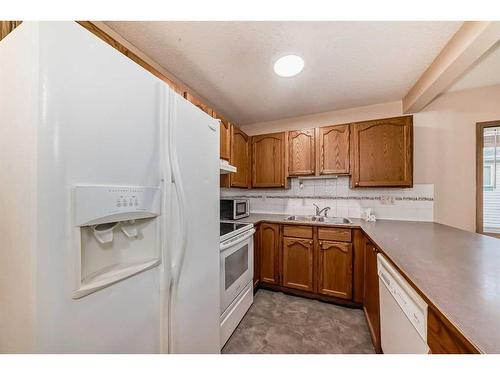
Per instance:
x=165, y=165
x=177, y=263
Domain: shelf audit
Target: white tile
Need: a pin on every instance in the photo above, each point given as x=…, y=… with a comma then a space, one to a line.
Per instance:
x=343, y=211
x=320, y=190
x=331, y=190
x=354, y=212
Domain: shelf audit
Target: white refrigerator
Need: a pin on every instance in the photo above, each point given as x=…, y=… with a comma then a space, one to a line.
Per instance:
x=109, y=195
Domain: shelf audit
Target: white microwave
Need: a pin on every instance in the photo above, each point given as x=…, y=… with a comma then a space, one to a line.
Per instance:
x=234, y=208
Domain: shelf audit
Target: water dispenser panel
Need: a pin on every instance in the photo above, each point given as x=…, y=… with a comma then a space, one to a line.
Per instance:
x=101, y=204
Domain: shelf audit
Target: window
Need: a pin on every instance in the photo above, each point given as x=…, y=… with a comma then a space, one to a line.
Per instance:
x=488, y=178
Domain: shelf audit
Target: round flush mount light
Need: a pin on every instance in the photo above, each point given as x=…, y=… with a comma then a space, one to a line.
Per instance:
x=289, y=65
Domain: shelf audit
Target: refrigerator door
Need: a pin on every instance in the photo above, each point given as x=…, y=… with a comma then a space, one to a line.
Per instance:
x=194, y=230
x=99, y=125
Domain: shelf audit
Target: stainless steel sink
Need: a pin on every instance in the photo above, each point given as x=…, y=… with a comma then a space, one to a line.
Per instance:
x=319, y=219
x=334, y=220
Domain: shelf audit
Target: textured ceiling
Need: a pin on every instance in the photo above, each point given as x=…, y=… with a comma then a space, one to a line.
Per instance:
x=347, y=64
x=485, y=72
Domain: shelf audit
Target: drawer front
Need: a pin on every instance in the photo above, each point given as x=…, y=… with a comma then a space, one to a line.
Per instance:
x=300, y=231
x=335, y=234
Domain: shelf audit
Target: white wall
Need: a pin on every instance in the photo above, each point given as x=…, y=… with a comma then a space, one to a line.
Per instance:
x=444, y=145
x=370, y=112
x=445, y=151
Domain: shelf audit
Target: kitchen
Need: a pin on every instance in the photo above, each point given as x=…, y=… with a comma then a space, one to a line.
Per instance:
x=356, y=214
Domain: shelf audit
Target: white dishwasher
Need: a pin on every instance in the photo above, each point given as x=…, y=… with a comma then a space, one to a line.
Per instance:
x=403, y=313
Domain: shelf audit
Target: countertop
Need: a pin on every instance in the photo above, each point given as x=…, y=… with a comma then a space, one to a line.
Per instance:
x=458, y=271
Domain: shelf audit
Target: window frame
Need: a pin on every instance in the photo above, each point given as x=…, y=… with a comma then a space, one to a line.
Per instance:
x=480, y=126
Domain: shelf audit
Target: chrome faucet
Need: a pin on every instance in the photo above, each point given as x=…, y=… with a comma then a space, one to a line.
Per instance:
x=319, y=212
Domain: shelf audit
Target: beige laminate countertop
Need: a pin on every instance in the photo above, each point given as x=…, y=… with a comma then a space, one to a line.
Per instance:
x=458, y=271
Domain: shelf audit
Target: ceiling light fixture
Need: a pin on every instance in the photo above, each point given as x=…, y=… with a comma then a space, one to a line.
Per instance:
x=289, y=65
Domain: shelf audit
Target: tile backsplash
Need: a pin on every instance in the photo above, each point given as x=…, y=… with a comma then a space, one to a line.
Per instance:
x=415, y=203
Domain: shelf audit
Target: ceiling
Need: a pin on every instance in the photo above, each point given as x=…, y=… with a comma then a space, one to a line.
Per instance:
x=347, y=64
x=485, y=72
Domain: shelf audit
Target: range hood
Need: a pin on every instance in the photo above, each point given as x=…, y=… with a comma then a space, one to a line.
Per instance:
x=225, y=167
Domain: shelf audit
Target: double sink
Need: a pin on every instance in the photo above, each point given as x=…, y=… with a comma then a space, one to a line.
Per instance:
x=319, y=219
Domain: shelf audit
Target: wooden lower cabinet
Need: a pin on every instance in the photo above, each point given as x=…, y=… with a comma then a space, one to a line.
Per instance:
x=292, y=257
x=269, y=253
x=298, y=267
x=335, y=269
x=443, y=337
x=371, y=304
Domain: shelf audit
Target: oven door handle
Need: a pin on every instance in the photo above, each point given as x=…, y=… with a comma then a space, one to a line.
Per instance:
x=232, y=242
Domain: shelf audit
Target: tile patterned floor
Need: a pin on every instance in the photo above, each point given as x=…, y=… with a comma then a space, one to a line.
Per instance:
x=280, y=323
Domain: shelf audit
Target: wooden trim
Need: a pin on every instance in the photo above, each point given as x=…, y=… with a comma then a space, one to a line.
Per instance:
x=480, y=126
x=6, y=27
x=468, y=44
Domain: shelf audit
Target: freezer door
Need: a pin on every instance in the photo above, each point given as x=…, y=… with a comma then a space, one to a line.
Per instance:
x=194, y=230
x=99, y=125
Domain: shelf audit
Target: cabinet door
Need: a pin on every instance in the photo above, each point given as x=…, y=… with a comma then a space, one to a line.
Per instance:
x=240, y=158
x=256, y=257
x=371, y=304
x=333, y=153
x=298, y=263
x=225, y=139
x=269, y=253
x=382, y=152
x=301, y=148
x=268, y=160
x=335, y=269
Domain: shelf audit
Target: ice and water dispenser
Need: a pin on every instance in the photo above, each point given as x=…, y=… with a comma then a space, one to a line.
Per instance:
x=117, y=234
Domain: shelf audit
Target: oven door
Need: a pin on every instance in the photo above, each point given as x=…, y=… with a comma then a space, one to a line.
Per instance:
x=236, y=265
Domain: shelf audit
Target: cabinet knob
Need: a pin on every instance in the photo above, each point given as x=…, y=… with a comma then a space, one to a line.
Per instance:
x=310, y=242
x=320, y=243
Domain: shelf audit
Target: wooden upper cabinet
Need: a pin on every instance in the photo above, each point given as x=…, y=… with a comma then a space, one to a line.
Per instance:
x=301, y=146
x=382, y=152
x=298, y=264
x=225, y=136
x=335, y=269
x=197, y=102
x=333, y=150
x=6, y=27
x=240, y=158
x=268, y=160
x=371, y=304
x=269, y=253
